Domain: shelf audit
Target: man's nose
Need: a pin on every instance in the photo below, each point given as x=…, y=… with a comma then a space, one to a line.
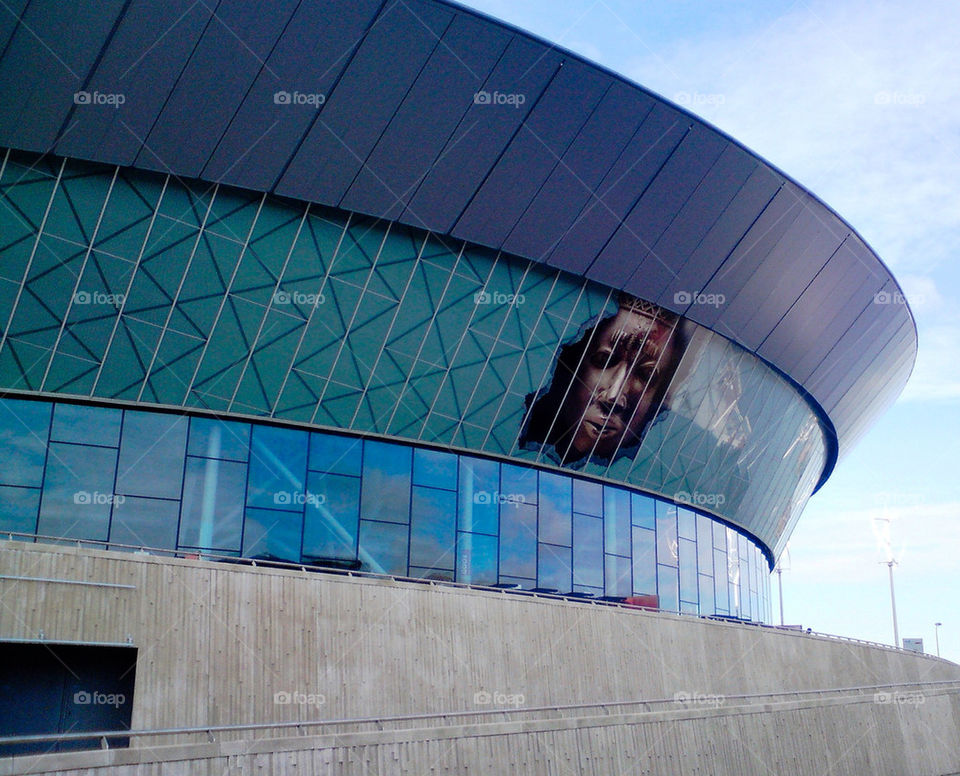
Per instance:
x=611, y=390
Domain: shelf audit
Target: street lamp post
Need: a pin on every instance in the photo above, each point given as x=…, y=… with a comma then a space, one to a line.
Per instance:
x=936, y=635
x=780, y=585
x=893, y=604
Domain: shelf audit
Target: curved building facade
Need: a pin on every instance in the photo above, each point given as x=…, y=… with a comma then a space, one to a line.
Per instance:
x=403, y=289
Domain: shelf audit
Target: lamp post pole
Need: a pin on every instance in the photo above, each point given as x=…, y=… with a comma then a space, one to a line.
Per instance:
x=780, y=585
x=936, y=635
x=893, y=605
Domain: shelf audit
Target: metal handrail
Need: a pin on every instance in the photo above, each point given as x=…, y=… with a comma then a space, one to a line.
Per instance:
x=105, y=735
x=291, y=566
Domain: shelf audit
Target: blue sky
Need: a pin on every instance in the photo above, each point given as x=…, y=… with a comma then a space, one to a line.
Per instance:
x=857, y=101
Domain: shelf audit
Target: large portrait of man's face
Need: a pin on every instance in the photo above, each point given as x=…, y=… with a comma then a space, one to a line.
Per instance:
x=607, y=386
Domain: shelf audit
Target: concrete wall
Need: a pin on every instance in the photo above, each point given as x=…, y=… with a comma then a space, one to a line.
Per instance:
x=218, y=641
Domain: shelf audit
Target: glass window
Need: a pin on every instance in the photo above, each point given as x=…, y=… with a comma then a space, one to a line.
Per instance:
x=18, y=509
x=476, y=559
x=383, y=547
x=331, y=520
x=385, y=494
x=688, y=570
x=643, y=509
x=666, y=534
x=616, y=521
x=719, y=536
x=721, y=594
x=644, y=561
x=432, y=528
x=686, y=523
x=151, y=454
x=553, y=567
x=272, y=534
x=78, y=492
x=617, y=574
x=213, y=496
x=587, y=551
x=336, y=454
x=24, y=426
x=518, y=542
x=555, y=503
x=435, y=469
x=520, y=482
x=704, y=545
x=86, y=425
x=706, y=594
x=145, y=522
x=213, y=438
x=588, y=497
x=480, y=497
x=278, y=469
x=668, y=588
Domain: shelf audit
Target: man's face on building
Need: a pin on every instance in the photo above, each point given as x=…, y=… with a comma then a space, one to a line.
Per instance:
x=615, y=384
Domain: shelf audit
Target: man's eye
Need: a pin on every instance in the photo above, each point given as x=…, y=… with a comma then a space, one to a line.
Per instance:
x=600, y=359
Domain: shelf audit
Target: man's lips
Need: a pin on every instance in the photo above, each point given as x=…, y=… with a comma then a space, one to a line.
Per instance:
x=603, y=426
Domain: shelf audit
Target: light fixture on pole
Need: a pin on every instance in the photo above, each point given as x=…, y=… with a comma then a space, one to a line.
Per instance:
x=936, y=635
x=779, y=570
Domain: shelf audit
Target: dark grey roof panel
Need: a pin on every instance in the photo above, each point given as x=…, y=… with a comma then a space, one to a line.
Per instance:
x=621, y=187
x=835, y=298
x=534, y=152
x=630, y=252
x=355, y=115
x=745, y=266
x=525, y=68
x=143, y=74
x=444, y=91
x=657, y=268
x=309, y=58
x=46, y=63
x=221, y=69
x=791, y=265
x=574, y=181
x=695, y=270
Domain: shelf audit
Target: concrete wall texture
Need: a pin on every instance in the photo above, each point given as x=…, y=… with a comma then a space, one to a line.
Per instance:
x=222, y=644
